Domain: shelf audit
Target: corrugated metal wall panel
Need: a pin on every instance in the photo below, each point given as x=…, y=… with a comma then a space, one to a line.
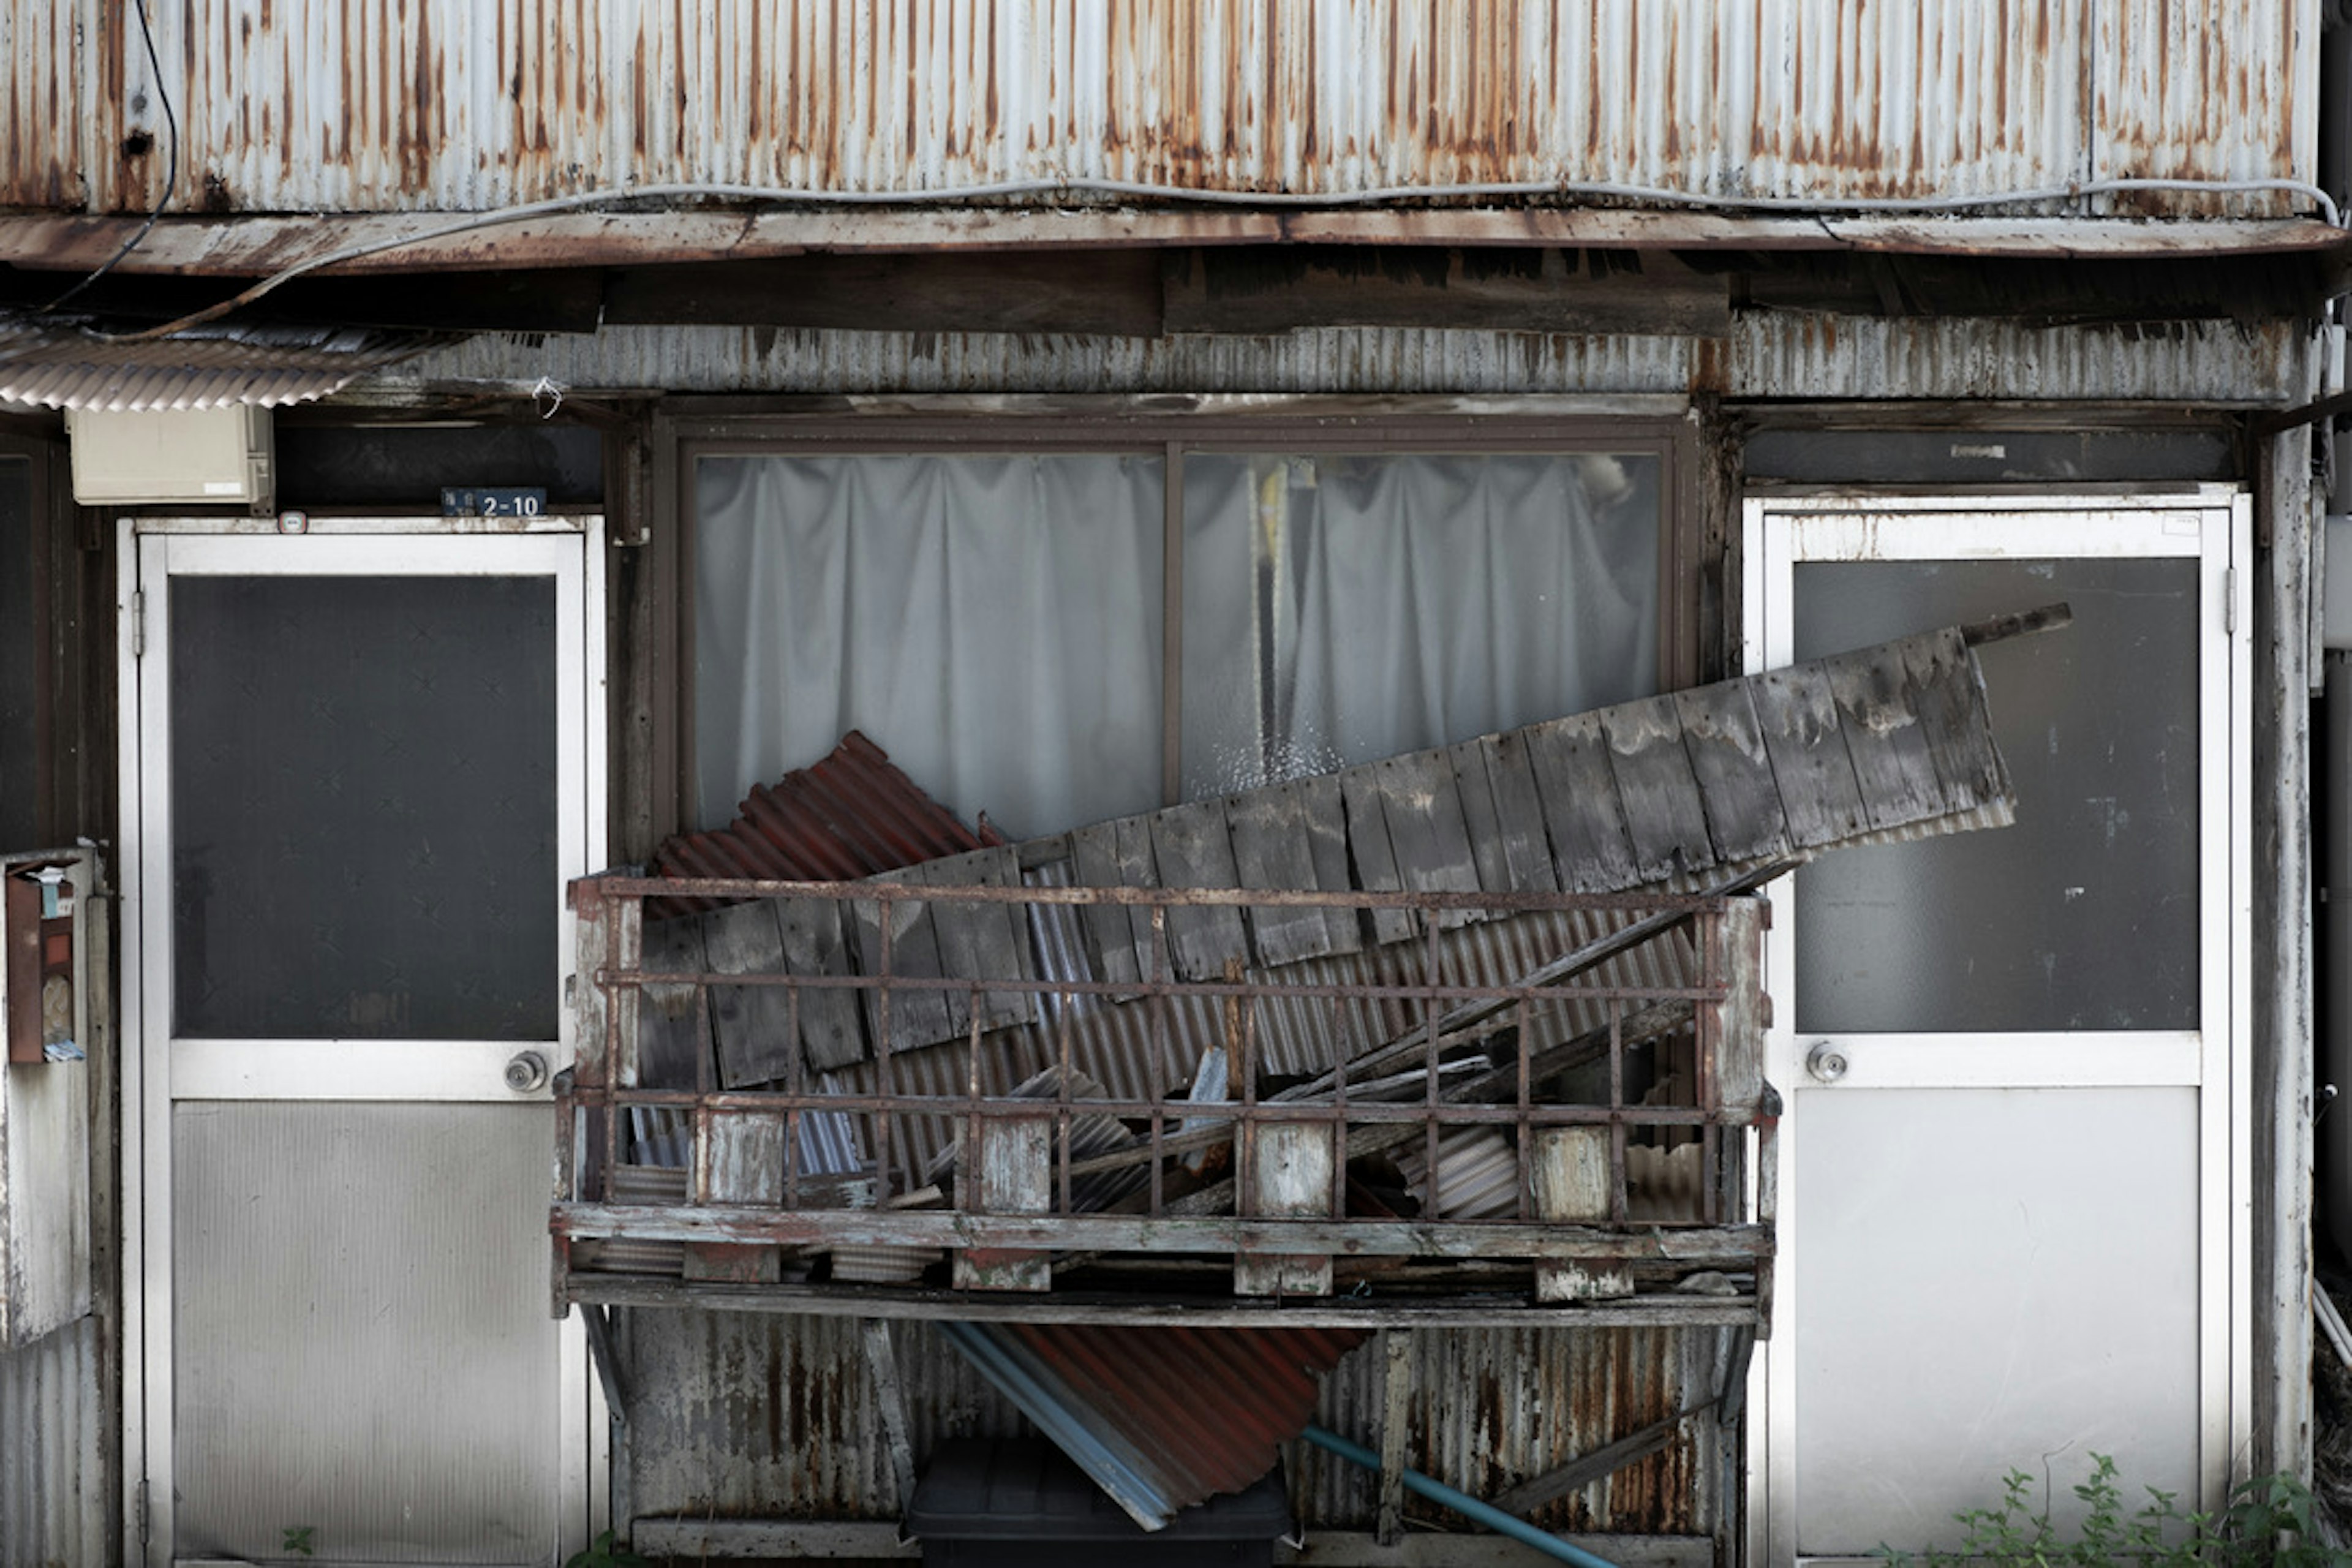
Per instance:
x=1491, y=1408
x=2228, y=92
x=753, y=1416
x=367, y=105
x=57, y=1463
x=40, y=82
x=1830, y=357
x=1770, y=354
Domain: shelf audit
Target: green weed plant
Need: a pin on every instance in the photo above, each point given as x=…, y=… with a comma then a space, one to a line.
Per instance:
x=2267, y=1523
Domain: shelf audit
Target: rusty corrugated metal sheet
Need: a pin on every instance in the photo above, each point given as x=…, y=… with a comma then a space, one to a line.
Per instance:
x=852, y=812
x=1161, y=1418
x=41, y=86
x=70, y=366
x=340, y=105
x=1770, y=353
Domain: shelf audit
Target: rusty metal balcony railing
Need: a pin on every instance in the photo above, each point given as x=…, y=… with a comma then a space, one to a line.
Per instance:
x=1518, y=1105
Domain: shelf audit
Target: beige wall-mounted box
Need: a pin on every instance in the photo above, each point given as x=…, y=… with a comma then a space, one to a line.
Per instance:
x=180, y=456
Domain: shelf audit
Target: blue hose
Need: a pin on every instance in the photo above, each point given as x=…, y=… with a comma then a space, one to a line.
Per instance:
x=1493, y=1518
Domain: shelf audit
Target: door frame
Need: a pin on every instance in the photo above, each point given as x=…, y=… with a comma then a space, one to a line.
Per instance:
x=1779, y=531
x=144, y=1109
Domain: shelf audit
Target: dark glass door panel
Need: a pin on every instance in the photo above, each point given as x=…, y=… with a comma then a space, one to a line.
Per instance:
x=363, y=787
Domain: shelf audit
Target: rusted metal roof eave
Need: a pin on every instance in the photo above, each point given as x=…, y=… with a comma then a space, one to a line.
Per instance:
x=259, y=245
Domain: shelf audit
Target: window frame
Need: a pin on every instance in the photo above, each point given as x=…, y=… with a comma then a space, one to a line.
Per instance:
x=682, y=441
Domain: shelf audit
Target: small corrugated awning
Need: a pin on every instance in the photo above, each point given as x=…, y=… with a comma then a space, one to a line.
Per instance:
x=69, y=363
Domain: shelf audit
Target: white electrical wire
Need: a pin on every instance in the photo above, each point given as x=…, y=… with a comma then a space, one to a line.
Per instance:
x=1151, y=191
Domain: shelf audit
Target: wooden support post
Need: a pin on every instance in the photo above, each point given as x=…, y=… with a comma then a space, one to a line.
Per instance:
x=1568, y=1169
x=882, y=1366
x=1291, y=1176
x=1011, y=1173
x=1396, y=1429
x=746, y=1157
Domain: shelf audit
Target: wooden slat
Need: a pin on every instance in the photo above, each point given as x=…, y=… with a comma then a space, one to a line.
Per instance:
x=1190, y=845
x=672, y=1037
x=1325, y=812
x=983, y=941
x=751, y=1023
x=1726, y=746
x=1138, y=868
x=1883, y=735
x=1271, y=850
x=1426, y=831
x=1519, y=814
x=1663, y=813
x=1950, y=700
x=1468, y=762
x=1110, y=942
x=1369, y=852
x=815, y=943
x=1820, y=798
x=1582, y=814
x=918, y=1018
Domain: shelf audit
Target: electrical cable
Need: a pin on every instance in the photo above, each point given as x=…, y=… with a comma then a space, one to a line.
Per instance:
x=1147, y=190
x=171, y=169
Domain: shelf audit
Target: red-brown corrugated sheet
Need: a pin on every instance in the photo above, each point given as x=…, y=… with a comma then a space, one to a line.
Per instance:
x=851, y=814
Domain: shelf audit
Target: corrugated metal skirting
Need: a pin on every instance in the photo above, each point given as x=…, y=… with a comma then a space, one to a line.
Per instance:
x=57, y=1465
x=355, y=105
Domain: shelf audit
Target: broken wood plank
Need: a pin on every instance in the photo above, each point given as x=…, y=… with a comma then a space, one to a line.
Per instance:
x=1011, y=1173
x=1948, y=695
x=1797, y=715
x=815, y=943
x=1744, y=820
x=1271, y=850
x=1138, y=868
x=1426, y=830
x=1583, y=817
x=1370, y=853
x=1874, y=699
x=1192, y=849
x=1663, y=817
x=1519, y=814
x=1599, y=1464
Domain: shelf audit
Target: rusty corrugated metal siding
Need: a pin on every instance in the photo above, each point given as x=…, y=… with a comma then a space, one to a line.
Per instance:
x=357, y=105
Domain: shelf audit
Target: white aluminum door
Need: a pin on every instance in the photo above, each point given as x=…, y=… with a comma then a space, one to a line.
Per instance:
x=2012, y=1168
x=359, y=769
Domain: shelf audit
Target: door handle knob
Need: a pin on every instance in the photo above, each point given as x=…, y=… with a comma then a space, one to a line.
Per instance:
x=1825, y=1062
x=527, y=1072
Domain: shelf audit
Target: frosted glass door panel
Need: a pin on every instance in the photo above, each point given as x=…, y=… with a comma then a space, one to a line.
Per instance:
x=363, y=798
x=1989, y=1277
x=358, y=1352
x=2084, y=914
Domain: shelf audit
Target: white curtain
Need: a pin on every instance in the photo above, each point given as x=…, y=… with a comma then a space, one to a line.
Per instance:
x=1338, y=609
x=992, y=622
